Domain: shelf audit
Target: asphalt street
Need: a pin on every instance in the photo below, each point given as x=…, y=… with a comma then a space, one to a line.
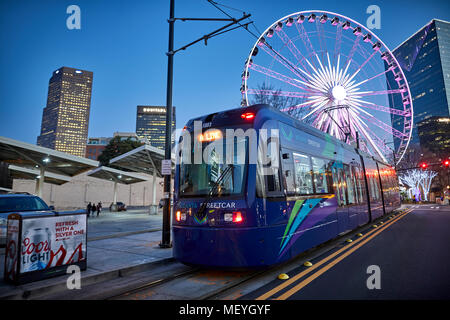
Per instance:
x=407, y=259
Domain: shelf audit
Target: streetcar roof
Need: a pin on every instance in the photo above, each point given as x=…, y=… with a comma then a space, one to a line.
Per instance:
x=266, y=112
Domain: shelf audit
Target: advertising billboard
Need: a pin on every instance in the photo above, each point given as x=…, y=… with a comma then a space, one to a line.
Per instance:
x=53, y=241
x=41, y=246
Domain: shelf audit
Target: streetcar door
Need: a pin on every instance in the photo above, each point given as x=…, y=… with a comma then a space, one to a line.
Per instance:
x=340, y=190
x=288, y=172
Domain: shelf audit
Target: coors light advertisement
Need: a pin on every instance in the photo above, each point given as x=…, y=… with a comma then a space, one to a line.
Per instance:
x=11, y=249
x=51, y=242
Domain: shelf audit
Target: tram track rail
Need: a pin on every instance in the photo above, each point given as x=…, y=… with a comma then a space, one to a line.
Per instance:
x=254, y=279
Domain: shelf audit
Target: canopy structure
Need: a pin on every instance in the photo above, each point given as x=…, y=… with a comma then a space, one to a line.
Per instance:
x=118, y=176
x=30, y=156
x=32, y=174
x=145, y=159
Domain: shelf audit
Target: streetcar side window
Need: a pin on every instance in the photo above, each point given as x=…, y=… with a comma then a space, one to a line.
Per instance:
x=303, y=176
x=350, y=183
x=288, y=172
x=320, y=175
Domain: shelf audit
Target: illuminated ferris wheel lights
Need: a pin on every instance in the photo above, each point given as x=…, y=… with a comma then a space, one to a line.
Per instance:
x=335, y=21
x=385, y=56
x=279, y=26
x=357, y=31
x=367, y=37
x=346, y=25
x=339, y=93
x=338, y=88
x=261, y=42
x=289, y=21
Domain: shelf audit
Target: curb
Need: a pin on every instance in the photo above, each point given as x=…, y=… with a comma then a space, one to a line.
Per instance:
x=21, y=293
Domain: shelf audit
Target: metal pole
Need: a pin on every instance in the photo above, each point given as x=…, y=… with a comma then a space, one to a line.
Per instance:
x=41, y=182
x=154, y=189
x=165, y=241
x=115, y=193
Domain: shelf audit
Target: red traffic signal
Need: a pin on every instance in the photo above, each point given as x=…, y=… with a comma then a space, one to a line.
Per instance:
x=424, y=165
x=446, y=163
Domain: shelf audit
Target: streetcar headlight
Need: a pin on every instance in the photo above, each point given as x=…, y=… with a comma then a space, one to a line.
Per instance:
x=180, y=216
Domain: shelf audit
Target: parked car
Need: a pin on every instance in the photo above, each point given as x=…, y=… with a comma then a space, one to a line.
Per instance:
x=11, y=203
x=120, y=206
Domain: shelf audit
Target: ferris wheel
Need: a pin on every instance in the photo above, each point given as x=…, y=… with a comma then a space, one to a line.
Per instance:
x=335, y=74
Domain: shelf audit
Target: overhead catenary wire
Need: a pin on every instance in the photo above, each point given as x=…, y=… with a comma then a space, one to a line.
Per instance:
x=294, y=69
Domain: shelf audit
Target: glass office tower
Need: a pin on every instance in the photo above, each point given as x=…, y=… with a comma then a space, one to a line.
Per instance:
x=151, y=125
x=425, y=60
x=65, y=119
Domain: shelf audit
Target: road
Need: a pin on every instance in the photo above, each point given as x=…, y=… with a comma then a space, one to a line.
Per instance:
x=410, y=255
x=405, y=256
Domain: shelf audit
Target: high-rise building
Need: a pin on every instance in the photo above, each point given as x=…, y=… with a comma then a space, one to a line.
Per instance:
x=425, y=60
x=151, y=125
x=434, y=133
x=65, y=119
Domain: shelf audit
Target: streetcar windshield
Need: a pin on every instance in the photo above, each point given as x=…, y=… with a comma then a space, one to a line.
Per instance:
x=205, y=169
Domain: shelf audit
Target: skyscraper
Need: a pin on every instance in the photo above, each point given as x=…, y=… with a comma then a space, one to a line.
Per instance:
x=65, y=119
x=151, y=125
x=425, y=60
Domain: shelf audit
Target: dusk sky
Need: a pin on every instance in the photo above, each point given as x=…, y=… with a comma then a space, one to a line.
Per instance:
x=124, y=44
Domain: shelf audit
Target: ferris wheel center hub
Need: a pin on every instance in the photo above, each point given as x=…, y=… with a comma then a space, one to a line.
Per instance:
x=339, y=93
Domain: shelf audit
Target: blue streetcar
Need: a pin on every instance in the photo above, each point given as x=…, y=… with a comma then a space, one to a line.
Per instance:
x=262, y=206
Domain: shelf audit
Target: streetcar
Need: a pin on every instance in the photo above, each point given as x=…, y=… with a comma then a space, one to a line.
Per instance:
x=241, y=206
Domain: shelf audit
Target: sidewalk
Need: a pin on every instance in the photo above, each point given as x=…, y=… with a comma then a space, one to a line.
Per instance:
x=117, y=243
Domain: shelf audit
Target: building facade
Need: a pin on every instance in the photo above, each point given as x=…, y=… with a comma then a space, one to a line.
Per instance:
x=434, y=133
x=425, y=60
x=95, y=147
x=82, y=189
x=151, y=125
x=65, y=119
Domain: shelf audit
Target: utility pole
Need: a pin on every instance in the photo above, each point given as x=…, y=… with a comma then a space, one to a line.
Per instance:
x=165, y=241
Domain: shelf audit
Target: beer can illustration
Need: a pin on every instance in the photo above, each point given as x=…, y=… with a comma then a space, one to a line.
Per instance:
x=36, y=249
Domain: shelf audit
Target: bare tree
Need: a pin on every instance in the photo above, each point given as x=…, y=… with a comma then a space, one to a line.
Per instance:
x=267, y=94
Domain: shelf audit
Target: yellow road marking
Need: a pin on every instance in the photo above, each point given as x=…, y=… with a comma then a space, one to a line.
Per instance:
x=318, y=264
x=308, y=280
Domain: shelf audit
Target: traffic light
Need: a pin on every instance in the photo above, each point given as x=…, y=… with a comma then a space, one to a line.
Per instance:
x=424, y=165
x=446, y=163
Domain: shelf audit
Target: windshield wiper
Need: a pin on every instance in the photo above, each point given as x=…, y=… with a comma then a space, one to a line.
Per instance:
x=214, y=189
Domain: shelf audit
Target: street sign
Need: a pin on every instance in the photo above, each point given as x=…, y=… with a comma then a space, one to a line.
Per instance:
x=166, y=167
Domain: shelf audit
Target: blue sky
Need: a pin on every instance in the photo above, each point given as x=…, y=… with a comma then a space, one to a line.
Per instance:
x=124, y=44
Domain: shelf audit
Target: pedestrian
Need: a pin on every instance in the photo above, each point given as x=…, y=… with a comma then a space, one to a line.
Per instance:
x=94, y=208
x=99, y=208
x=88, y=209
